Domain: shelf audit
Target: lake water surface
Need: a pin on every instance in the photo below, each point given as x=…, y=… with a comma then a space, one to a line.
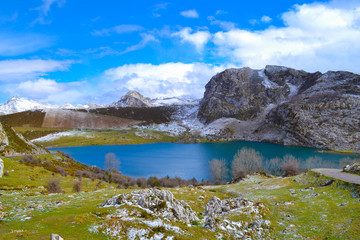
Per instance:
x=185, y=160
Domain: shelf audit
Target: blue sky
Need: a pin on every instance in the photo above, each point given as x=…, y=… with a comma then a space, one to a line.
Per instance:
x=81, y=51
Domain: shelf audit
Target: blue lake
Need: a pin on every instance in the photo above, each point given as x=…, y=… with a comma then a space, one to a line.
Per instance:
x=186, y=160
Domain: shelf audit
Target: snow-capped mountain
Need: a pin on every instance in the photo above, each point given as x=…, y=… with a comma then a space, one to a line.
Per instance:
x=18, y=104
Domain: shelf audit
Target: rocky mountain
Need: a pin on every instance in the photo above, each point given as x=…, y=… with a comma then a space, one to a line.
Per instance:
x=133, y=99
x=287, y=106
x=12, y=143
x=17, y=104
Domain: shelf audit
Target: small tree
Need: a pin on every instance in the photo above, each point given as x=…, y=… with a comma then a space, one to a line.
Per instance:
x=246, y=160
x=219, y=171
x=112, y=163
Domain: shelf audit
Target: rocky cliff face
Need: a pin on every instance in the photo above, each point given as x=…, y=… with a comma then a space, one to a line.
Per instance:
x=13, y=144
x=287, y=106
x=133, y=99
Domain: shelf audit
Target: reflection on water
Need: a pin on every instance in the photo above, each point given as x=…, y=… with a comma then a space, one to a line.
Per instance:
x=192, y=160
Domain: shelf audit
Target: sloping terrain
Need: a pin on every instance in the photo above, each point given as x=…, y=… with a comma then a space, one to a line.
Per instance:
x=259, y=207
x=12, y=143
x=66, y=119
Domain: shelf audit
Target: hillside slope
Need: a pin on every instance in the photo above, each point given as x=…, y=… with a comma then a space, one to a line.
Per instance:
x=12, y=143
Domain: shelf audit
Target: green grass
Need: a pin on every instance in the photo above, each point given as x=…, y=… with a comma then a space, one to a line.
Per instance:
x=314, y=210
x=110, y=137
x=316, y=213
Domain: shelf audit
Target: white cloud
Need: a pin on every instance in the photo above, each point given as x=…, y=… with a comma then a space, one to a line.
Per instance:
x=39, y=87
x=119, y=29
x=23, y=69
x=146, y=38
x=14, y=45
x=156, y=9
x=226, y=25
x=192, y=13
x=45, y=8
x=199, y=39
x=266, y=19
x=164, y=80
x=315, y=37
x=218, y=12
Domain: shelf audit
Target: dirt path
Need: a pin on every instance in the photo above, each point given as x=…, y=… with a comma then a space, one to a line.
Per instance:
x=338, y=174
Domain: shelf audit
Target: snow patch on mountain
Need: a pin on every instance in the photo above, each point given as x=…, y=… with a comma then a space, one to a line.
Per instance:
x=18, y=104
x=167, y=101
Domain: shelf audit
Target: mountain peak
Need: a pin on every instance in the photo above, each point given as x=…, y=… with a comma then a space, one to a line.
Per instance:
x=133, y=99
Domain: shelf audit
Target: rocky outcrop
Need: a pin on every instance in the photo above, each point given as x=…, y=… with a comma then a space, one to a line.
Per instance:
x=13, y=144
x=1, y=167
x=133, y=99
x=217, y=212
x=157, y=202
x=287, y=106
x=351, y=168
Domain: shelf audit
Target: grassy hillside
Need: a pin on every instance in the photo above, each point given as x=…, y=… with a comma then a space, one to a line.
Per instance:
x=298, y=207
x=32, y=119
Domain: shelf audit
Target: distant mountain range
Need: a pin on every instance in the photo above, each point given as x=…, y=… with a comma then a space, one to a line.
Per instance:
x=131, y=99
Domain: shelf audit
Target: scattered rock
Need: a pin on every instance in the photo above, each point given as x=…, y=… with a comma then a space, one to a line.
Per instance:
x=352, y=168
x=342, y=204
x=1, y=167
x=158, y=202
x=55, y=237
x=328, y=182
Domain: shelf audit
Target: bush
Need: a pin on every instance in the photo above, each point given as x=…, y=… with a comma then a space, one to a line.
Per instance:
x=77, y=186
x=141, y=182
x=153, y=181
x=290, y=168
x=53, y=186
x=30, y=159
x=246, y=161
x=61, y=171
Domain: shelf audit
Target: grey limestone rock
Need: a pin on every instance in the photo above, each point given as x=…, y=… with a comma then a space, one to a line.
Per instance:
x=287, y=106
x=159, y=202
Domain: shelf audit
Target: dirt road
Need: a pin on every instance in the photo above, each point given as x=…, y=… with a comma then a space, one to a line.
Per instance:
x=338, y=174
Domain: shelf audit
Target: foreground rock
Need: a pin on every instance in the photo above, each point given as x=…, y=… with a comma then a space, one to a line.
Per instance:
x=287, y=106
x=157, y=202
x=1, y=167
x=55, y=237
x=218, y=214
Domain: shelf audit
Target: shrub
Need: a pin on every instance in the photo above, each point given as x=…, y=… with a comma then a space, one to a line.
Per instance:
x=153, y=181
x=141, y=182
x=30, y=159
x=53, y=186
x=246, y=161
x=219, y=171
x=77, y=186
x=290, y=168
x=61, y=171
